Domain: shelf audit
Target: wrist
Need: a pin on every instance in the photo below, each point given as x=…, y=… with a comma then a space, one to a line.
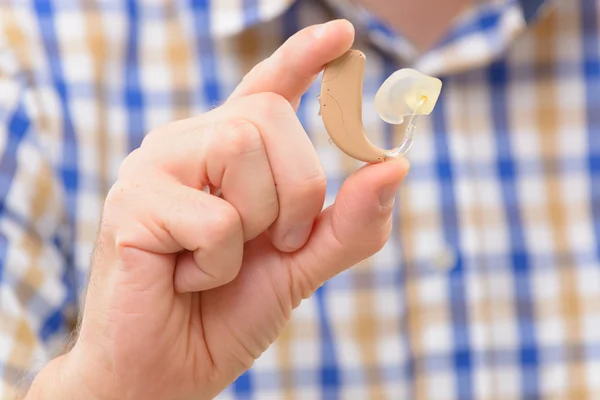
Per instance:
x=66, y=379
x=50, y=382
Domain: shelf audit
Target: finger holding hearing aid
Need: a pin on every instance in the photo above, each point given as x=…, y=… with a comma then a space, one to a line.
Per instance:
x=294, y=66
x=263, y=107
x=298, y=176
x=256, y=151
x=287, y=74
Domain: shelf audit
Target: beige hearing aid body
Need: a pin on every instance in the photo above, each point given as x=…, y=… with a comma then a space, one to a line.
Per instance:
x=405, y=93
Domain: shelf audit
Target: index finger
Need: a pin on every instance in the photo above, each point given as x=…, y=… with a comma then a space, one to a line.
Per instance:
x=292, y=68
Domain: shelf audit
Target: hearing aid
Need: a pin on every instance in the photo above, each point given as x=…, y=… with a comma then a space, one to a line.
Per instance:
x=405, y=93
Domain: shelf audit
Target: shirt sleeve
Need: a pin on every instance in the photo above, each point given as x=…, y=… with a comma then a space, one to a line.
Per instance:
x=35, y=300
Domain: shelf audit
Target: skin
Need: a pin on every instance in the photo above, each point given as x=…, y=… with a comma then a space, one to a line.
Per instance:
x=410, y=16
x=188, y=289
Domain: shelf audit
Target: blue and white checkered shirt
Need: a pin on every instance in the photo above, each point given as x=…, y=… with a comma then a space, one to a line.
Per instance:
x=489, y=287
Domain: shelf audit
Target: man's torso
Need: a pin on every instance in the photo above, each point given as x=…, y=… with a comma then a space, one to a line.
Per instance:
x=490, y=284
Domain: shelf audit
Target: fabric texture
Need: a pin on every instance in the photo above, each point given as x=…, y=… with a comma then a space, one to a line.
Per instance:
x=489, y=287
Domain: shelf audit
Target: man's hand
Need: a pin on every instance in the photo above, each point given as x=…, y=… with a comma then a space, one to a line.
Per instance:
x=188, y=288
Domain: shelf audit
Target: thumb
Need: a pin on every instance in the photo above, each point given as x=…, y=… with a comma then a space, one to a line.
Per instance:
x=292, y=68
x=355, y=227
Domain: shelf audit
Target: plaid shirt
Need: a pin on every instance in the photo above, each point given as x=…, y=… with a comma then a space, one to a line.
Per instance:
x=489, y=287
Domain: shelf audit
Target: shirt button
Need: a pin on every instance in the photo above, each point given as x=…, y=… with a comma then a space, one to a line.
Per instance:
x=444, y=258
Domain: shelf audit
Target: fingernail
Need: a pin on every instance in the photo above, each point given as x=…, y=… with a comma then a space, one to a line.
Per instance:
x=387, y=195
x=298, y=235
x=319, y=30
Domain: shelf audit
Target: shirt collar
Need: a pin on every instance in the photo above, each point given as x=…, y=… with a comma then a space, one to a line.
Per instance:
x=533, y=8
x=233, y=17
x=479, y=35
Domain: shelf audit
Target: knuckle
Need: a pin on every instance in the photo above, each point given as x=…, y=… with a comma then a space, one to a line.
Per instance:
x=316, y=180
x=226, y=225
x=117, y=208
x=270, y=213
x=242, y=137
x=230, y=272
x=262, y=218
x=131, y=163
x=181, y=207
x=116, y=195
x=154, y=135
x=312, y=185
x=304, y=283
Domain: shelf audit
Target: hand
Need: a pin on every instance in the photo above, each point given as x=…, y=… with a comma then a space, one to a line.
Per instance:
x=187, y=288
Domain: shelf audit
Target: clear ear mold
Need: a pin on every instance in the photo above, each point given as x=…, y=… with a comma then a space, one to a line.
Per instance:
x=406, y=93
